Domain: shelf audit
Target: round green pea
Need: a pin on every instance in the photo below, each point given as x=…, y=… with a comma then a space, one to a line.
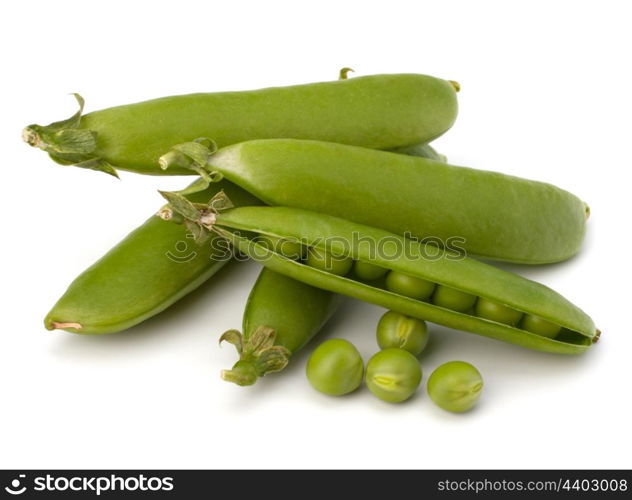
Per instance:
x=398, y=330
x=335, y=367
x=393, y=375
x=334, y=264
x=494, y=311
x=410, y=286
x=286, y=247
x=451, y=298
x=540, y=326
x=368, y=272
x=455, y=386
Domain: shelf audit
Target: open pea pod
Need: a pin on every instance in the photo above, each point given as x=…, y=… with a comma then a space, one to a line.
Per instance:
x=242, y=226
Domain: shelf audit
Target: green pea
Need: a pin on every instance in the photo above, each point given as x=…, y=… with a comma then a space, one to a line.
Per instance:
x=335, y=367
x=494, y=311
x=326, y=261
x=368, y=272
x=376, y=111
x=286, y=247
x=393, y=375
x=398, y=330
x=410, y=286
x=451, y=298
x=455, y=386
x=540, y=326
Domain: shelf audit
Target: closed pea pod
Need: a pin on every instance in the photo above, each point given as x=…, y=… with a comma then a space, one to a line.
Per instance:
x=452, y=270
x=378, y=111
x=460, y=208
x=149, y=270
x=280, y=317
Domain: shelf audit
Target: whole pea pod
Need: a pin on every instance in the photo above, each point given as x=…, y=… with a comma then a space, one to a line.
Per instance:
x=280, y=317
x=488, y=214
x=378, y=111
x=446, y=286
x=145, y=273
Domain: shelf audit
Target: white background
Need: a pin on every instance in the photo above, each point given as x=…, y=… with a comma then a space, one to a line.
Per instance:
x=545, y=94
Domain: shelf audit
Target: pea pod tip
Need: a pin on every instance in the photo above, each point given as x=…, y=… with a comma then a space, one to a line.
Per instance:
x=597, y=336
x=31, y=137
x=60, y=325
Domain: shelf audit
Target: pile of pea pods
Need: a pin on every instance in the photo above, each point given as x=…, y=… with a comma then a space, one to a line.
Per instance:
x=335, y=189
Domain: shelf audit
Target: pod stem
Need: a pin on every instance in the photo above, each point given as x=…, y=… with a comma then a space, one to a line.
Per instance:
x=344, y=73
x=199, y=218
x=258, y=355
x=68, y=144
x=193, y=156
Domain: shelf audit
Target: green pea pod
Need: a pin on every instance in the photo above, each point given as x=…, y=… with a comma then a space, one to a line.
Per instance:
x=488, y=214
x=379, y=111
x=441, y=267
x=153, y=267
x=281, y=316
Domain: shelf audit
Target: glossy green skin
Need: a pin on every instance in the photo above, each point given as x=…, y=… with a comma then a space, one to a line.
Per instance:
x=499, y=216
x=455, y=386
x=368, y=272
x=421, y=150
x=393, y=375
x=410, y=286
x=296, y=311
x=540, y=326
x=445, y=296
x=468, y=275
x=379, y=111
x=136, y=279
x=497, y=312
x=398, y=330
x=335, y=367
